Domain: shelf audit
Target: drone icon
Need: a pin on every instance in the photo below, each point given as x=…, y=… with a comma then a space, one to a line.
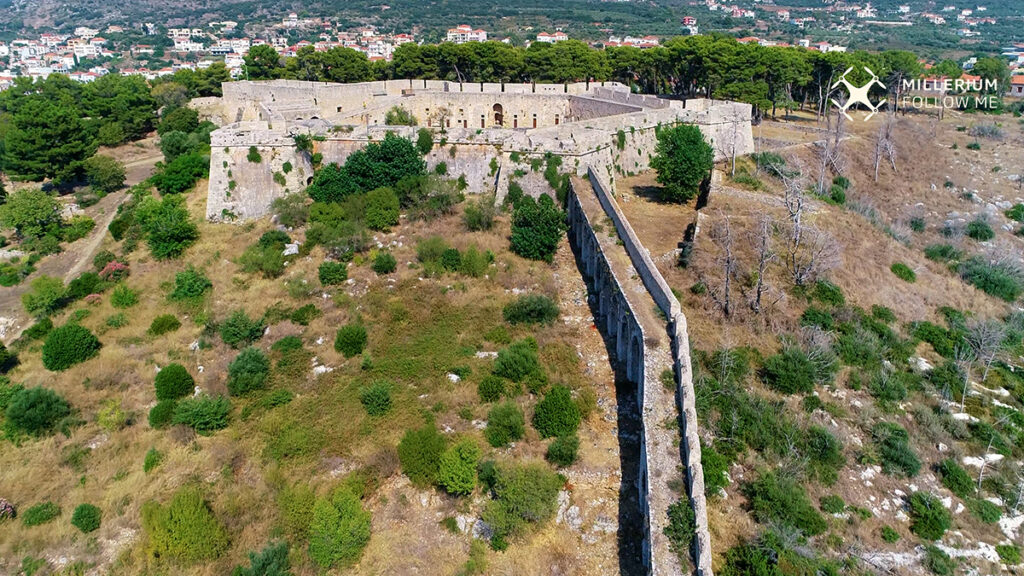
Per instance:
x=858, y=95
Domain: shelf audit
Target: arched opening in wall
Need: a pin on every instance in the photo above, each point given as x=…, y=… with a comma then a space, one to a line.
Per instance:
x=483, y=121
x=636, y=355
x=309, y=181
x=556, y=119
x=534, y=120
x=314, y=117
x=499, y=115
x=515, y=120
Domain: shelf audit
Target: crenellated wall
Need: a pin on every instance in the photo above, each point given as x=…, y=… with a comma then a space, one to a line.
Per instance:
x=598, y=124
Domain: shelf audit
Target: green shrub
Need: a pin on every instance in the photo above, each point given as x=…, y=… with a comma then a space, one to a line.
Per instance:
x=813, y=316
x=531, y=309
x=172, y=382
x=123, y=297
x=793, y=371
x=479, y=215
x=339, y=530
x=716, y=467
x=491, y=388
x=350, y=340
x=39, y=330
x=86, y=518
x=832, y=504
x=203, y=414
x=248, y=371
x=332, y=273
x=419, y=452
x=1016, y=212
x=942, y=253
x=40, y=514
x=457, y=467
x=1001, y=280
x=888, y=387
x=167, y=225
x=305, y=314
x=776, y=499
x=524, y=494
x=889, y=535
x=153, y=459
x=267, y=260
x=238, y=330
x=384, y=263
x=903, y=272
x=563, y=450
x=376, y=398
x=681, y=528
x=189, y=284
x=955, y=478
x=897, y=456
x=980, y=230
x=828, y=293
x=162, y=414
x=556, y=414
x=1008, y=553
x=518, y=361
x=69, y=345
x=937, y=561
x=271, y=561
x=929, y=519
x=451, y=260
x=505, y=424
x=431, y=249
x=36, y=410
x=184, y=531
x=985, y=511
x=882, y=313
x=537, y=228
x=44, y=297
x=381, y=209
x=163, y=324
x=87, y=283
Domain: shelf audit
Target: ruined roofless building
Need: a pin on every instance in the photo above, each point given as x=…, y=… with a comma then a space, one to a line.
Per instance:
x=486, y=133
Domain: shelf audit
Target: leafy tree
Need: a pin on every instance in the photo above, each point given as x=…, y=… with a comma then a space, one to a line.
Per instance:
x=69, y=345
x=537, y=228
x=424, y=141
x=339, y=530
x=181, y=119
x=263, y=63
x=457, y=467
x=31, y=213
x=505, y=424
x=525, y=494
x=778, y=499
x=376, y=398
x=381, y=209
x=183, y=531
x=168, y=228
x=46, y=140
x=335, y=65
x=380, y=164
x=420, y=454
x=556, y=414
x=104, y=173
x=248, y=371
x=35, y=410
x=683, y=161
x=181, y=174
x=172, y=382
x=399, y=116
x=384, y=263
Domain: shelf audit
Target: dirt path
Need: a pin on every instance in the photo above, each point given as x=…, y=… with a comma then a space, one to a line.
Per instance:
x=76, y=257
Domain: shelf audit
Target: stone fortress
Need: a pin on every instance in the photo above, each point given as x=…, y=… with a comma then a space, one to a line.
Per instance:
x=490, y=134
x=485, y=133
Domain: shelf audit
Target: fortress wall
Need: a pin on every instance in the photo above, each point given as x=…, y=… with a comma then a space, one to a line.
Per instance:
x=254, y=187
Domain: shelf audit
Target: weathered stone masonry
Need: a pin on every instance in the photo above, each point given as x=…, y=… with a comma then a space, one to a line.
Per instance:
x=488, y=133
x=618, y=320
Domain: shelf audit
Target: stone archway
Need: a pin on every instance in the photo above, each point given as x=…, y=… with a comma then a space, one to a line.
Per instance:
x=499, y=115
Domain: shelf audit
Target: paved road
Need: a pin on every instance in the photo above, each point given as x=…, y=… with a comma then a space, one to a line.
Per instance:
x=75, y=258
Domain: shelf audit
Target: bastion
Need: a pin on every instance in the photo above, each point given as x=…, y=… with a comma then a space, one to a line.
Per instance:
x=485, y=134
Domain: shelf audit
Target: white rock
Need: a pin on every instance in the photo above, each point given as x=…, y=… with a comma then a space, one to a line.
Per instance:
x=454, y=378
x=290, y=249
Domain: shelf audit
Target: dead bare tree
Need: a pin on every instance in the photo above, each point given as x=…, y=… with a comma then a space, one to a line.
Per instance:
x=885, y=147
x=721, y=234
x=761, y=240
x=818, y=253
x=828, y=153
x=986, y=339
x=1020, y=490
x=963, y=358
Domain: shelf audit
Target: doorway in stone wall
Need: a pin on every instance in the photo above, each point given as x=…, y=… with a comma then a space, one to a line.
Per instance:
x=499, y=115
